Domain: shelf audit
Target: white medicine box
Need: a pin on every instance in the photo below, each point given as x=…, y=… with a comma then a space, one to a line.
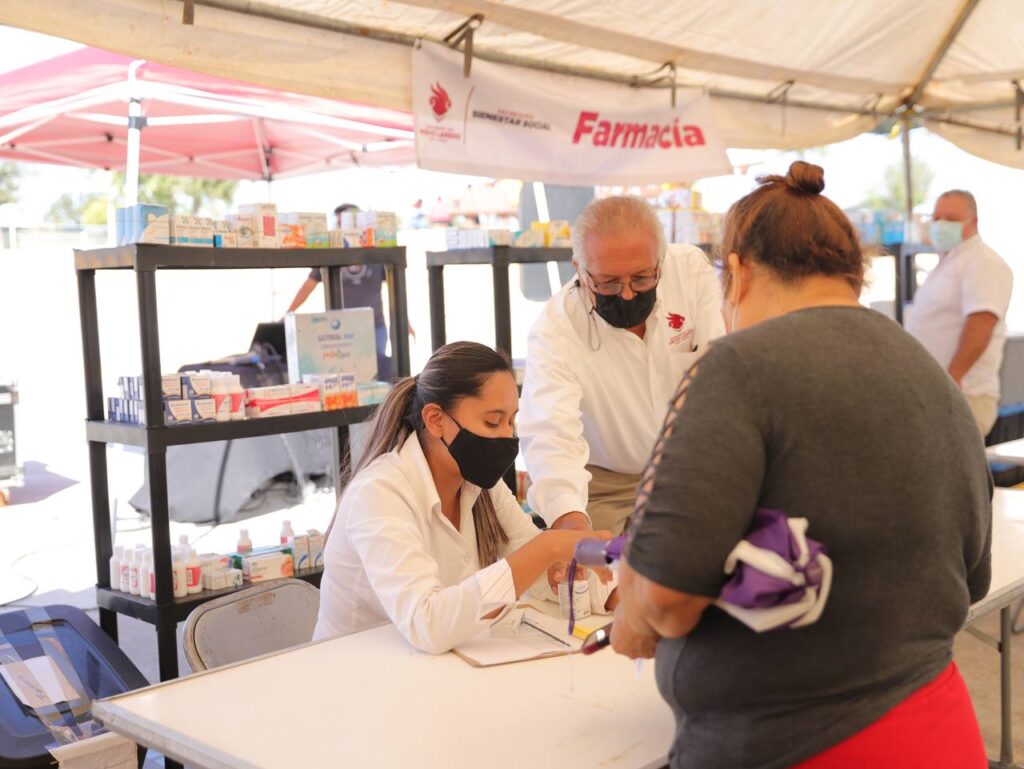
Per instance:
x=332, y=342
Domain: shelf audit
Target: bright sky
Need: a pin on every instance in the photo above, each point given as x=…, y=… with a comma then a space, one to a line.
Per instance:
x=852, y=170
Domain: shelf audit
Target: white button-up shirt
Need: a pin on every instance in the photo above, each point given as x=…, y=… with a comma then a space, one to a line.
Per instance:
x=393, y=555
x=970, y=278
x=596, y=394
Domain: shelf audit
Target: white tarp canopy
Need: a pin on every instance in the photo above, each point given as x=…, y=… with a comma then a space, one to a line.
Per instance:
x=787, y=74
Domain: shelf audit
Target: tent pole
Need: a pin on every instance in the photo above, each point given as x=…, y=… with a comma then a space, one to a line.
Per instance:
x=135, y=123
x=908, y=217
x=131, y=171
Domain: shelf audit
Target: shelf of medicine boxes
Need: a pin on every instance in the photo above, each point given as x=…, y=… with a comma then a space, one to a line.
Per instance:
x=146, y=260
x=499, y=258
x=155, y=256
x=499, y=255
x=145, y=609
x=161, y=436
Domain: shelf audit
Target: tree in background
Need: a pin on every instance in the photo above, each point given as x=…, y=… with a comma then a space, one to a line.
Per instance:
x=180, y=194
x=893, y=193
x=184, y=195
x=10, y=176
x=70, y=210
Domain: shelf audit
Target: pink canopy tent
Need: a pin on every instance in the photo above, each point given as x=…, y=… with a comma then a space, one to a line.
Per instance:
x=102, y=110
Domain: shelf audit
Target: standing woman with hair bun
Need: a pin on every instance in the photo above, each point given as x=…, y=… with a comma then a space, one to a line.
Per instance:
x=426, y=534
x=820, y=408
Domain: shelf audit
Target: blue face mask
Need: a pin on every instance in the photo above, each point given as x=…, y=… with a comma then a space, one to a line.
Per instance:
x=946, y=235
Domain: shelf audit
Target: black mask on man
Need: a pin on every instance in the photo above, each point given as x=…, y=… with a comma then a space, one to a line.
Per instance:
x=625, y=313
x=482, y=461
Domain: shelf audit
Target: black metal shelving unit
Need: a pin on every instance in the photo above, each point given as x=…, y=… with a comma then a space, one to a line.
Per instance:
x=499, y=257
x=165, y=611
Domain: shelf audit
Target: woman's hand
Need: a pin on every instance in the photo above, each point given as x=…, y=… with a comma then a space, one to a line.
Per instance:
x=630, y=639
x=550, y=551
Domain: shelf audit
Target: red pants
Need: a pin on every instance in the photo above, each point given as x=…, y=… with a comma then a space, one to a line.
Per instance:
x=933, y=728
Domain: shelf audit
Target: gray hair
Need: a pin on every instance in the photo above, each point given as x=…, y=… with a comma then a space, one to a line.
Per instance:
x=615, y=215
x=965, y=195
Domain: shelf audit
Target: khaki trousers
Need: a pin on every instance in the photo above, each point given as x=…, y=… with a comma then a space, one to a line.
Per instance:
x=985, y=409
x=611, y=498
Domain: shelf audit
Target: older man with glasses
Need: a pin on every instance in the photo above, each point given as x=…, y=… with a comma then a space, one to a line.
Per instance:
x=605, y=358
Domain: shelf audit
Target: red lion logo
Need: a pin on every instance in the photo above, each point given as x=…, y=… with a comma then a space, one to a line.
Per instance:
x=440, y=101
x=675, y=321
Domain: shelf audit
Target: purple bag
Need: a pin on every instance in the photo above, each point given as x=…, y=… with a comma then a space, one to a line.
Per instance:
x=779, y=577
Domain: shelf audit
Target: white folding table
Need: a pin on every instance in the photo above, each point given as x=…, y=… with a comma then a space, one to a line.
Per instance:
x=371, y=700
x=1006, y=589
x=1009, y=453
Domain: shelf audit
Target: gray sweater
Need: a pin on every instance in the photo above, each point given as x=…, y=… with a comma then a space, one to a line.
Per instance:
x=839, y=416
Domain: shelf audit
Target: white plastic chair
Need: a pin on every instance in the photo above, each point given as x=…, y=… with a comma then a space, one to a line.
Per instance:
x=262, y=619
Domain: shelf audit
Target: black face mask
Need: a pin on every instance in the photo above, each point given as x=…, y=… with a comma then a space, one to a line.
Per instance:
x=625, y=313
x=482, y=461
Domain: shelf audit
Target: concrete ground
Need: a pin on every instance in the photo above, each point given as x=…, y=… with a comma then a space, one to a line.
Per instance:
x=46, y=549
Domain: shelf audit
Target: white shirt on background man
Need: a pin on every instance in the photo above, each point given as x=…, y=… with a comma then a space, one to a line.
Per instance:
x=970, y=278
x=392, y=555
x=596, y=394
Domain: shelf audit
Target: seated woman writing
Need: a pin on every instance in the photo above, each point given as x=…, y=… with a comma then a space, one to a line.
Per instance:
x=426, y=535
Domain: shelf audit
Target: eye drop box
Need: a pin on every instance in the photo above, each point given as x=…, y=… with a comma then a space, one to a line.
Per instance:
x=223, y=235
x=315, y=226
x=244, y=226
x=386, y=230
x=202, y=231
x=203, y=409
x=316, y=549
x=259, y=568
x=292, y=235
x=177, y=412
x=143, y=223
x=180, y=230
x=499, y=237
x=348, y=393
x=300, y=552
x=265, y=224
x=170, y=387
x=529, y=239
x=559, y=234
x=305, y=398
x=332, y=342
x=196, y=385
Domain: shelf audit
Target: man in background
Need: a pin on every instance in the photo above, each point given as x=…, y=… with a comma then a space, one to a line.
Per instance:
x=360, y=287
x=959, y=314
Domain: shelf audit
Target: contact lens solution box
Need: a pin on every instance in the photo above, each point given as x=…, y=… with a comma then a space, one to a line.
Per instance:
x=332, y=342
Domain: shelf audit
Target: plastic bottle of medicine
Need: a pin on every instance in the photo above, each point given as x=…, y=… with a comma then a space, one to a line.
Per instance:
x=180, y=578
x=580, y=599
x=193, y=574
x=124, y=583
x=146, y=575
x=237, y=397
x=244, y=543
x=286, y=532
x=133, y=573
x=115, y=567
x=184, y=545
x=220, y=388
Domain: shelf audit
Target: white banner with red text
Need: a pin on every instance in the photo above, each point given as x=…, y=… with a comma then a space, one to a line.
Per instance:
x=511, y=122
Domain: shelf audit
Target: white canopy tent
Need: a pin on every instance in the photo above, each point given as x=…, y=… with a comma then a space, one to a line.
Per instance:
x=784, y=74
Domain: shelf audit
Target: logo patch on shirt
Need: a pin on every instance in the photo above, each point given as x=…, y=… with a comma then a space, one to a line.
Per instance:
x=677, y=322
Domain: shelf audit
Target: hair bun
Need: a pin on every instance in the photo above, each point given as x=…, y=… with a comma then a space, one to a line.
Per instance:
x=806, y=178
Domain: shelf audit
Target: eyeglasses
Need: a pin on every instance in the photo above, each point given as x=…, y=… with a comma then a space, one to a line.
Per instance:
x=637, y=285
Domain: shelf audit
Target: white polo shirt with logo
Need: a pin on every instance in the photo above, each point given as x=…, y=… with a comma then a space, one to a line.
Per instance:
x=597, y=395
x=970, y=278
